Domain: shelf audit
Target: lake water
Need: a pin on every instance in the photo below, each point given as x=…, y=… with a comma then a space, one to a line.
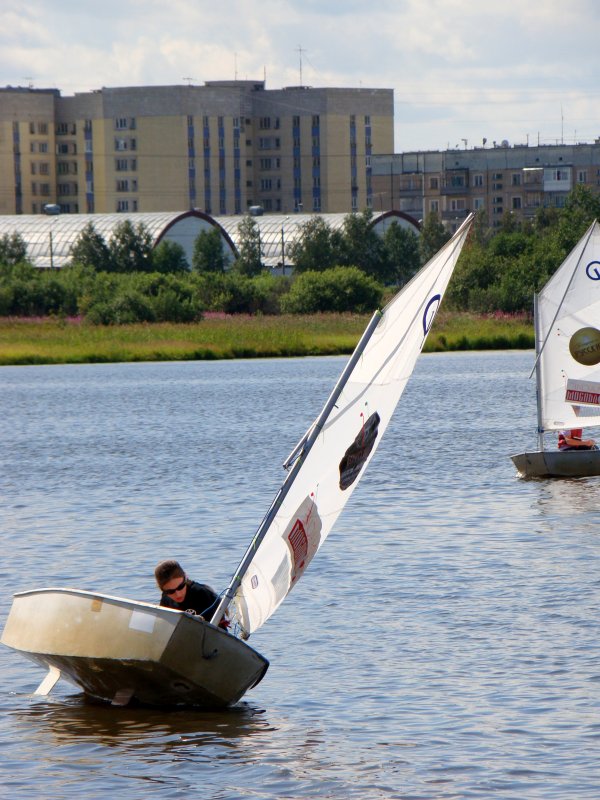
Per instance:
x=444, y=644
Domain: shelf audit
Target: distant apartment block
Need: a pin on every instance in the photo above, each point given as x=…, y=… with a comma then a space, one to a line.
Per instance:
x=520, y=179
x=220, y=148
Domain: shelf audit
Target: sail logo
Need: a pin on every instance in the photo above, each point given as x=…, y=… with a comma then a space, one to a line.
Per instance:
x=358, y=452
x=430, y=312
x=584, y=346
x=593, y=270
x=583, y=393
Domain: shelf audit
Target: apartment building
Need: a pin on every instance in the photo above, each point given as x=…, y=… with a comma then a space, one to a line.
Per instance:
x=519, y=178
x=221, y=148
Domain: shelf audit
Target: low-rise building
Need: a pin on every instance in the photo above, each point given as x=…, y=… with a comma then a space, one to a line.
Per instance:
x=520, y=179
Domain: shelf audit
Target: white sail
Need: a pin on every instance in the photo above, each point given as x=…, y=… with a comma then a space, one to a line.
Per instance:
x=338, y=447
x=568, y=333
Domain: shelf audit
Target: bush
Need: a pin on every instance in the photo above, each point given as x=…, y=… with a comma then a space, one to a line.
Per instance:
x=338, y=289
x=124, y=309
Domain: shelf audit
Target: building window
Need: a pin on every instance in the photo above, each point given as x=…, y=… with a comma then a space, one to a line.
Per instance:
x=434, y=205
x=582, y=176
x=121, y=123
x=559, y=175
x=516, y=179
x=478, y=181
x=122, y=205
x=434, y=183
x=478, y=203
x=516, y=203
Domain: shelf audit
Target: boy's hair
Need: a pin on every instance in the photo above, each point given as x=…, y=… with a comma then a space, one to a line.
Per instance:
x=167, y=570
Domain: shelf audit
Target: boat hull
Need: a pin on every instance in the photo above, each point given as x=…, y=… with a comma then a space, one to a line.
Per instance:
x=558, y=464
x=118, y=650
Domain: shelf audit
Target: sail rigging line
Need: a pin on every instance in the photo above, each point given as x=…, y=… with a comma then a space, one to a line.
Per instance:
x=302, y=452
x=571, y=279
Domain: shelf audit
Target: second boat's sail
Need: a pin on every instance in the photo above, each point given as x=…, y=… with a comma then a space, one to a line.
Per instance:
x=568, y=321
x=330, y=459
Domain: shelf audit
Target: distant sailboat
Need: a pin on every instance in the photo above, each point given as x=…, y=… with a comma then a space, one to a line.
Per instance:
x=567, y=365
x=120, y=650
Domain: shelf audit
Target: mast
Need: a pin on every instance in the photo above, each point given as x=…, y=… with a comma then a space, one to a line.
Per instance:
x=538, y=375
x=299, y=452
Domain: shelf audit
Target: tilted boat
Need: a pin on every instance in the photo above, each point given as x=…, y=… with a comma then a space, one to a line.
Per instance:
x=120, y=650
x=567, y=365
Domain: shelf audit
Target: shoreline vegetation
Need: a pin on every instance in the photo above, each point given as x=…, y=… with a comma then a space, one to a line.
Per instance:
x=51, y=340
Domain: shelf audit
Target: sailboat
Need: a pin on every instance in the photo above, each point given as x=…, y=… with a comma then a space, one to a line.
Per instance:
x=567, y=364
x=119, y=650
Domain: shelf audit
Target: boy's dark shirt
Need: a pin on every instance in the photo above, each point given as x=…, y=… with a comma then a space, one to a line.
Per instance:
x=199, y=598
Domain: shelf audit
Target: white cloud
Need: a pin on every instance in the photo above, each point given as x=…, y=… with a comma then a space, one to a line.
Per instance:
x=510, y=70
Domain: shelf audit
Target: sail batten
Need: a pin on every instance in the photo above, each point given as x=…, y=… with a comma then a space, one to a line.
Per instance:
x=330, y=459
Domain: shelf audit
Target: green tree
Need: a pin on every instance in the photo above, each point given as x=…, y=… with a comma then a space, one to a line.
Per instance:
x=169, y=257
x=90, y=250
x=402, y=249
x=131, y=248
x=581, y=208
x=433, y=237
x=13, y=249
x=208, y=255
x=249, y=261
x=364, y=248
x=317, y=247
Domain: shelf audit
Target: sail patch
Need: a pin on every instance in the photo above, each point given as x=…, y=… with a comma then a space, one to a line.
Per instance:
x=358, y=452
x=583, y=392
x=303, y=537
x=584, y=346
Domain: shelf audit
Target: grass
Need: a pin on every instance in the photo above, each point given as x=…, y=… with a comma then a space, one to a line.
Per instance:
x=54, y=341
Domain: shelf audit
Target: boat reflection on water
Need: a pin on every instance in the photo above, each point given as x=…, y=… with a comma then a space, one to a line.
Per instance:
x=569, y=497
x=76, y=720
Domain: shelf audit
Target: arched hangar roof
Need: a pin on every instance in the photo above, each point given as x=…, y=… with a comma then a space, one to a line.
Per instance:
x=279, y=231
x=49, y=238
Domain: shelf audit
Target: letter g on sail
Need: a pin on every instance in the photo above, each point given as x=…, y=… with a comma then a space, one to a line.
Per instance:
x=430, y=312
x=593, y=270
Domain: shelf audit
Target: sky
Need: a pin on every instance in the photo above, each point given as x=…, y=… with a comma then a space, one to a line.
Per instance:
x=462, y=73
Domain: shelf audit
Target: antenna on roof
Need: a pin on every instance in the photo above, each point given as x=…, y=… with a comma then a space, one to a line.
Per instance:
x=235, y=66
x=300, y=51
x=190, y=80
